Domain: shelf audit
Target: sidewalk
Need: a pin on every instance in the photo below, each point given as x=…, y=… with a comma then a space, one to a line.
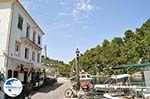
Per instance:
x=53, y=92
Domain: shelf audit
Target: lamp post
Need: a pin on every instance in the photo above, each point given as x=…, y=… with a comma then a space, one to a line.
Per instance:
x=77, y=69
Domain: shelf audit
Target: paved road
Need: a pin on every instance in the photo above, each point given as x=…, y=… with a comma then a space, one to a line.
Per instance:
x=53, y=92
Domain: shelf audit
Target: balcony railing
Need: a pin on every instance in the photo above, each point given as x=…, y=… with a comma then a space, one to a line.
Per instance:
x=27, y=40
x=17, y=53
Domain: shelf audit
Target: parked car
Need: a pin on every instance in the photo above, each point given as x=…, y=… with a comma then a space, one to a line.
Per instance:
x=41, y=82
x=49, y=81
x=38, y=83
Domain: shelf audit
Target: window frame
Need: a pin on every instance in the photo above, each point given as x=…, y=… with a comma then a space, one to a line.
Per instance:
x=38, y=57
x=20, y=22
x=17, y=48
x=28, y=30
x=33, y=56
x=34, y=36
x=26, y=53
x=39, y=40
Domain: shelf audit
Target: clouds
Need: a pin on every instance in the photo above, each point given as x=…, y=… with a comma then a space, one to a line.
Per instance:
x=60, y=14
x=71, y=14
x=83, y=6
x=63, y=21
x=77, y=9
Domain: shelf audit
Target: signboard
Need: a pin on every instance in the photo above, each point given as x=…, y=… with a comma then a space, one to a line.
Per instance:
x=13, y=87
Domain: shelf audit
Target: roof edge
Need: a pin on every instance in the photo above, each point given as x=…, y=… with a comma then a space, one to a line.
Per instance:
x=21, y=6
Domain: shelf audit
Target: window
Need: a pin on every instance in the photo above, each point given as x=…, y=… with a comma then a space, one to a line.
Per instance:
x=39, y=40
x=20, y=22
x=33, y=56
x=26, y=53
x=28, y=31
x=17, y=49
x=34, y=36
x=15, y=75
x=38, y=57
x=9, y=75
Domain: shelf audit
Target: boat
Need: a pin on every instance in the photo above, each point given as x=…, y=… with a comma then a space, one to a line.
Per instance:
x=85, y=76
x=86, y=83
x=114, y=82
x=116, y=87
x=86, y=80
x=112, y=96
x=117, y=96
x=119, y=87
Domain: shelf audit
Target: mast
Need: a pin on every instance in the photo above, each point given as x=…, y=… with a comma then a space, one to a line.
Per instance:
x=45, y=51
x=77, y=69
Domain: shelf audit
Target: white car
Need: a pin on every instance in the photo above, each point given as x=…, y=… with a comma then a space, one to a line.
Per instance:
x=41, y=81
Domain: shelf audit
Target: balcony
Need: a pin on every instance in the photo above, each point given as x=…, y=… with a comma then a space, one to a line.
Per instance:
x=17, y=53
x=28, y=41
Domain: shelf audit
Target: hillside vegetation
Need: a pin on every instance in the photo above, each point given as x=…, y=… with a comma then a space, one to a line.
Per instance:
x=133, y=48
x=59, y=66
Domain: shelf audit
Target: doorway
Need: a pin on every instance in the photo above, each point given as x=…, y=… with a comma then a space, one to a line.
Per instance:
x=25, y=77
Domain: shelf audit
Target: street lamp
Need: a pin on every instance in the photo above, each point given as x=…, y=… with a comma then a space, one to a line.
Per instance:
x=77, y=54
x=77, y=69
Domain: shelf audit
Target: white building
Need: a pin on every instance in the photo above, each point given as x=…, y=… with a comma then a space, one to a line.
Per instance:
x=20, y=42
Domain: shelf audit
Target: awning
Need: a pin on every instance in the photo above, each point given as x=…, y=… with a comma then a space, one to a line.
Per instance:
x=30, y=64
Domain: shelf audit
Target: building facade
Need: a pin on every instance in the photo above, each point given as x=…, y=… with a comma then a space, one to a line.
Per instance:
x=20, y=42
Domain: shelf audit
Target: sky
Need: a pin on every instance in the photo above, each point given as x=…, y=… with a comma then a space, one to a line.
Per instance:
x=84, y=24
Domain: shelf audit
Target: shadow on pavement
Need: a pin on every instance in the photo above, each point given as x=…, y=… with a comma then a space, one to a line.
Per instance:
x=48, y=88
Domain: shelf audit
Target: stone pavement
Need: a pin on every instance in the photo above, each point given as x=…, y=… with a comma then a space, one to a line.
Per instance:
x=53, y=92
